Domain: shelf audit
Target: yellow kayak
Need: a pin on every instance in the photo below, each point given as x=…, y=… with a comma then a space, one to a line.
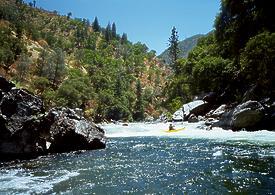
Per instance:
x=174, y=130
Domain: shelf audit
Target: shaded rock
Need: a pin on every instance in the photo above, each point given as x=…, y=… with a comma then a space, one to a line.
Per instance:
x=69, y=132
x=193, y=119
x=26, y=130
x=210, y=98
x=17, y=107
x=5, y=85
x=247, y=115
x=200, y=109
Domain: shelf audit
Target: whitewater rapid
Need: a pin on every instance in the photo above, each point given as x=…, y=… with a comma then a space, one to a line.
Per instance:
x=191, y=131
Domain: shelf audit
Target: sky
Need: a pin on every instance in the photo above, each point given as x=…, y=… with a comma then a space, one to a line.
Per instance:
x=147, y=21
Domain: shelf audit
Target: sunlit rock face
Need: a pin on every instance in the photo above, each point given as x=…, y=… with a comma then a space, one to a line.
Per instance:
x=197, y=107
x=26, y=131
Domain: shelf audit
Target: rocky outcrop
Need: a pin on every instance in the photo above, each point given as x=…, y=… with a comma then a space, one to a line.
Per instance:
x=247, y=115
x=26, y=130
x=69, y=131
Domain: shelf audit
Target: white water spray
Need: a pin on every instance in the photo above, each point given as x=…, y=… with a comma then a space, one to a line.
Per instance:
x=191, y=131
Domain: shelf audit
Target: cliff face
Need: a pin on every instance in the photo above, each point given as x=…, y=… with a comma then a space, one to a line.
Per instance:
x=27, y=131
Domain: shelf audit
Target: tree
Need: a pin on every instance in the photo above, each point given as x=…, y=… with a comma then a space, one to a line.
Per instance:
x=139, y=106
x=124, y=38
x=22, y=66
x=108, y=33
x=174, y=48
x=59, y=66
x=95, y=25
x=118, y=86
x=257, y=61
x=238, y=21
x=114, y=30
x=69, y=15
x=42, y=63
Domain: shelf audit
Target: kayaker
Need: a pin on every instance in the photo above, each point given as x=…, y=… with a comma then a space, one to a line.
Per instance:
x=171, y=127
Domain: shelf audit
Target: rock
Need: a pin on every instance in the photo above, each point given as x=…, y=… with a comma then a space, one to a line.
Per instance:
x=247, y=115
x=201, y=118
x=218, y=112
x=26, y=131
x=69, y=132
x=178, y=115
x=210, y=98
x=5, y=85
x=200, y=109
x=197, y=107
x=17, y=107
x=193, y=119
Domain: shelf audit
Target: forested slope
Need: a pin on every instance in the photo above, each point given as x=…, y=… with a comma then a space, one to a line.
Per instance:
x=77, y=63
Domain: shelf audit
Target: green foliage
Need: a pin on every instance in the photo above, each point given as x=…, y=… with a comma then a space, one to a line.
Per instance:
x=22, y=67
x=108, y=33
x=209, y=74
x=114, y=35
x=75, y=91
x=124, y=38
x=240, y=20
x=139, y=105
x=10, y=47
x=239, y=54
x=258, y=59
x=75, y=64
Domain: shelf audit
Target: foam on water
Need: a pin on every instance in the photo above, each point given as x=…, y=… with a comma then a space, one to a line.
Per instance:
x=26, y=183
x=191, y=131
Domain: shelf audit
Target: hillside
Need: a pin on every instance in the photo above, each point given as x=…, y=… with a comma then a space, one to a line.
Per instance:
x=185, y=47
x=77, y=63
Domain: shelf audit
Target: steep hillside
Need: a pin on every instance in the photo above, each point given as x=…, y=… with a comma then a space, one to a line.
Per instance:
x=185, y=47
x=78, y=63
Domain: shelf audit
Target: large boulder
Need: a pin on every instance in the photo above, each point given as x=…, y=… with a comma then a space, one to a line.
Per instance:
x=247, y=115
x=197, y=107
x=25, y=128
x=69, y=131
x=17, y=107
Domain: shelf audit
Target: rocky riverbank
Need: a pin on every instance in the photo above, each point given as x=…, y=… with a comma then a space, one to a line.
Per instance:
x=27, y=130
x=250, y=115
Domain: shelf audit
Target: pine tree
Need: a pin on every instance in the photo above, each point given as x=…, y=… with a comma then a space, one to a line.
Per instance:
x=59, y=66
x=22, y=66
x=69, y=15
x=114, y=30
x=124, y=38
x=139, y=106
x=108, y=33
x=96, y=26
x=174, y=48
x=118, y=86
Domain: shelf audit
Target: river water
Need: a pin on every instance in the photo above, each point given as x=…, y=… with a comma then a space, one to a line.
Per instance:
x=144, y=159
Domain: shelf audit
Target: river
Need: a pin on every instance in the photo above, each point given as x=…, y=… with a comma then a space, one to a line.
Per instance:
x=144, y=159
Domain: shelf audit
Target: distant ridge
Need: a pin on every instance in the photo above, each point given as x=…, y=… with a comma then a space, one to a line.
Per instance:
x=185, y=47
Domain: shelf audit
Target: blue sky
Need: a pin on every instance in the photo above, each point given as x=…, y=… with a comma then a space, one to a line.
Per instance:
x=147, y=21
